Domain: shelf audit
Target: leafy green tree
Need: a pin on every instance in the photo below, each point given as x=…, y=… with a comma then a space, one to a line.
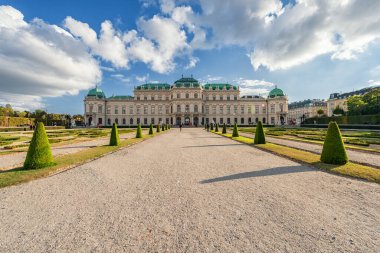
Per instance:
x=356, y=105
x=224, y=128
x=114, y=139
x=151, y=129
x=39, y=153
x=334, y=151
x=320, y=112
x=338, y=111
x=260, y=135
x=235, y=132
x=139, y=131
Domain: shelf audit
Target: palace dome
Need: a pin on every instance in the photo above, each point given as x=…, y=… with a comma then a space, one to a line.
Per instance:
x=276, y=92
x=96, y=92
x=187, y=82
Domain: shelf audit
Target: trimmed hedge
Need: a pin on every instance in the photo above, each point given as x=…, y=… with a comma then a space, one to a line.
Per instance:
x=224, y=131
x=39, y=153
x=348, y=120
x=235, y=132
x=138, y=131
x=114, y=139
x=334, y=151
x=6, y=121
x=259, y=135
x=151, y=129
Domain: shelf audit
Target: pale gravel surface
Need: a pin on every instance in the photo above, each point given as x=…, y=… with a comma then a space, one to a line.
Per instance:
x=372, y=159
x=191, y=192
x=17, y=159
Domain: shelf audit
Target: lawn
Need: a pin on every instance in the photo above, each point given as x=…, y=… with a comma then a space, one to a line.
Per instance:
x=350, y=169
x=19, y=175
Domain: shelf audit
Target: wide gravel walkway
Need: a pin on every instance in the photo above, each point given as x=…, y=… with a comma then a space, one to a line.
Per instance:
x=191, y=192
x=372, y=159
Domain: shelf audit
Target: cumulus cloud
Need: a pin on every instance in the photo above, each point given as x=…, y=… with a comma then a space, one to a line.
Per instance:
x=253, y=87
x=38, y=59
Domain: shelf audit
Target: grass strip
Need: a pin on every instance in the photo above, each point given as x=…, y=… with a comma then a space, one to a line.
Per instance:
x=62, y=163
x=349, y=169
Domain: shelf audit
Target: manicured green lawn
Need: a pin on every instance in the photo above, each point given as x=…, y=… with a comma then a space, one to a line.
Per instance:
x=19, y=175
x=349, y=169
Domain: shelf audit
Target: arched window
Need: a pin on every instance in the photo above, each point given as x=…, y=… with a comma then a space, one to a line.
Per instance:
x=196, y=95
x=281, y=107
x=264, y=121
x=178, y=95
x=178, y=108
x=124, y=121
x=187, y=95
x=131, y=121
x=117, y=121
x=213, y=97
x=109, y=121
x=187, y=108
x=195, y=108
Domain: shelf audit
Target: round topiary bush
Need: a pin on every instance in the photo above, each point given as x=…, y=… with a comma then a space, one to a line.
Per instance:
x=235, y=132
x=216, y=127
x=158, y=128
x=139, y=131
x=151, y=129
x=334, y=151
x=224, y=131
x=114, y=139
x=259, y=135
x=39, y=153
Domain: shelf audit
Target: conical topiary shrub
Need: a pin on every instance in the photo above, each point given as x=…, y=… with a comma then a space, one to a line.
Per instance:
x=114, y=140
x=163, y=127
x=166, y=127
x=235, y=133
x=39, y=153
x=158, y=128
x=259, y=135
x=151, y=129
x=211, y=127
x=334, y=151
x=224, y=131
x=139, y=131
x=216, y=127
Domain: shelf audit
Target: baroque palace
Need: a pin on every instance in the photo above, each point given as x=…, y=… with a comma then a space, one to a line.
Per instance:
x=185, y=102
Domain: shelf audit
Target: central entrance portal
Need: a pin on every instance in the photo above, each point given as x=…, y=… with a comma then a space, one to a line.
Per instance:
x=178, y=121
x=187, y=121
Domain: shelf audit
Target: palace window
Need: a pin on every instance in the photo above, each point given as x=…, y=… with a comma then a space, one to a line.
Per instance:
x=214, y=97
x=221, y=109
x=131, y=121
x=281, y=108
x=195, y=108
x=123, y=110
x=152, y=120
x=214, y=109
x=257, y=109
x=138, y=121
x=187, y=95
x=228, y=109
x=109, y=121
x=241, y=120
x=100, y=109
x=167, y=109
x=235, y=97
x=91, y=108
x=178, y=108
x=187, y=108
x=264, y=108
x=196, y=95
x=138, y=110
x=235, y=120
x=235, y=109
x=228, y=121
x=249, y=120
x=272, y=108
x=116, y=110
x=108, y=109
x=145, y=98
x=264, y=120
x=228, y=99
x=249, y=109
x=272, y=120
x=145, y=121
x=130, y=109
x=257, y=120
x=145, y=109
x=124, y=121
x=117, y=121
x=178, y=96
x=242, y=109
x=160, y=109
x=153, y=109
x=221, y=121
x=206, y=109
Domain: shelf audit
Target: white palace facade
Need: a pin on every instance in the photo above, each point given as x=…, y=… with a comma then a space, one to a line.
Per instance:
x=187, y=102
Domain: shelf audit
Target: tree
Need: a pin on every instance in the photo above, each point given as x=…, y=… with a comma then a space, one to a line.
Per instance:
x=338, y=111
x=334, y=151
x=356, y=105
x=39, y=153
x=259, y=135
x=151, y=129
x=158, y=128
x=216, y=127
x=235, y=132
x=224, y=128
x=139, y=131
x=320, y=112
x=114, y=139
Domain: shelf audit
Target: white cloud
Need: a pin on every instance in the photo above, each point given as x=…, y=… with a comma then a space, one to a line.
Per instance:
x=38, y=59
x=254, y=91
x=21, y=102
x=373, y=82
x=253, y=87
x=253, y=83
x=121, y=78
x=192, y=63
x=142, y=79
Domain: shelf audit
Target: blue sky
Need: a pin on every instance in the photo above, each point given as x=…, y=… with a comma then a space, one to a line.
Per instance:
x=52, y=52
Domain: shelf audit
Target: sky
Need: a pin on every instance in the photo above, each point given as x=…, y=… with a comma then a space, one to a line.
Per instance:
x=53, y=52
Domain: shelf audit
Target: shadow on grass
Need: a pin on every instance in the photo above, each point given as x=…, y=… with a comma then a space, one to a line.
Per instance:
x=259, y=173
x=12, y=170
x=214, y=145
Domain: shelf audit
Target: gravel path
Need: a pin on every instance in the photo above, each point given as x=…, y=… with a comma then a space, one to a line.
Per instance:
x=191, y=192
x=371, y=159
x=17, y=159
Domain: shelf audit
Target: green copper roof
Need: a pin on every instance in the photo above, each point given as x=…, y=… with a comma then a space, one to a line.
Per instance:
x=219, y=86
x=96, y=92
x=153, y=86
x=121, y=98
x=187, y=82
x=276, y=92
